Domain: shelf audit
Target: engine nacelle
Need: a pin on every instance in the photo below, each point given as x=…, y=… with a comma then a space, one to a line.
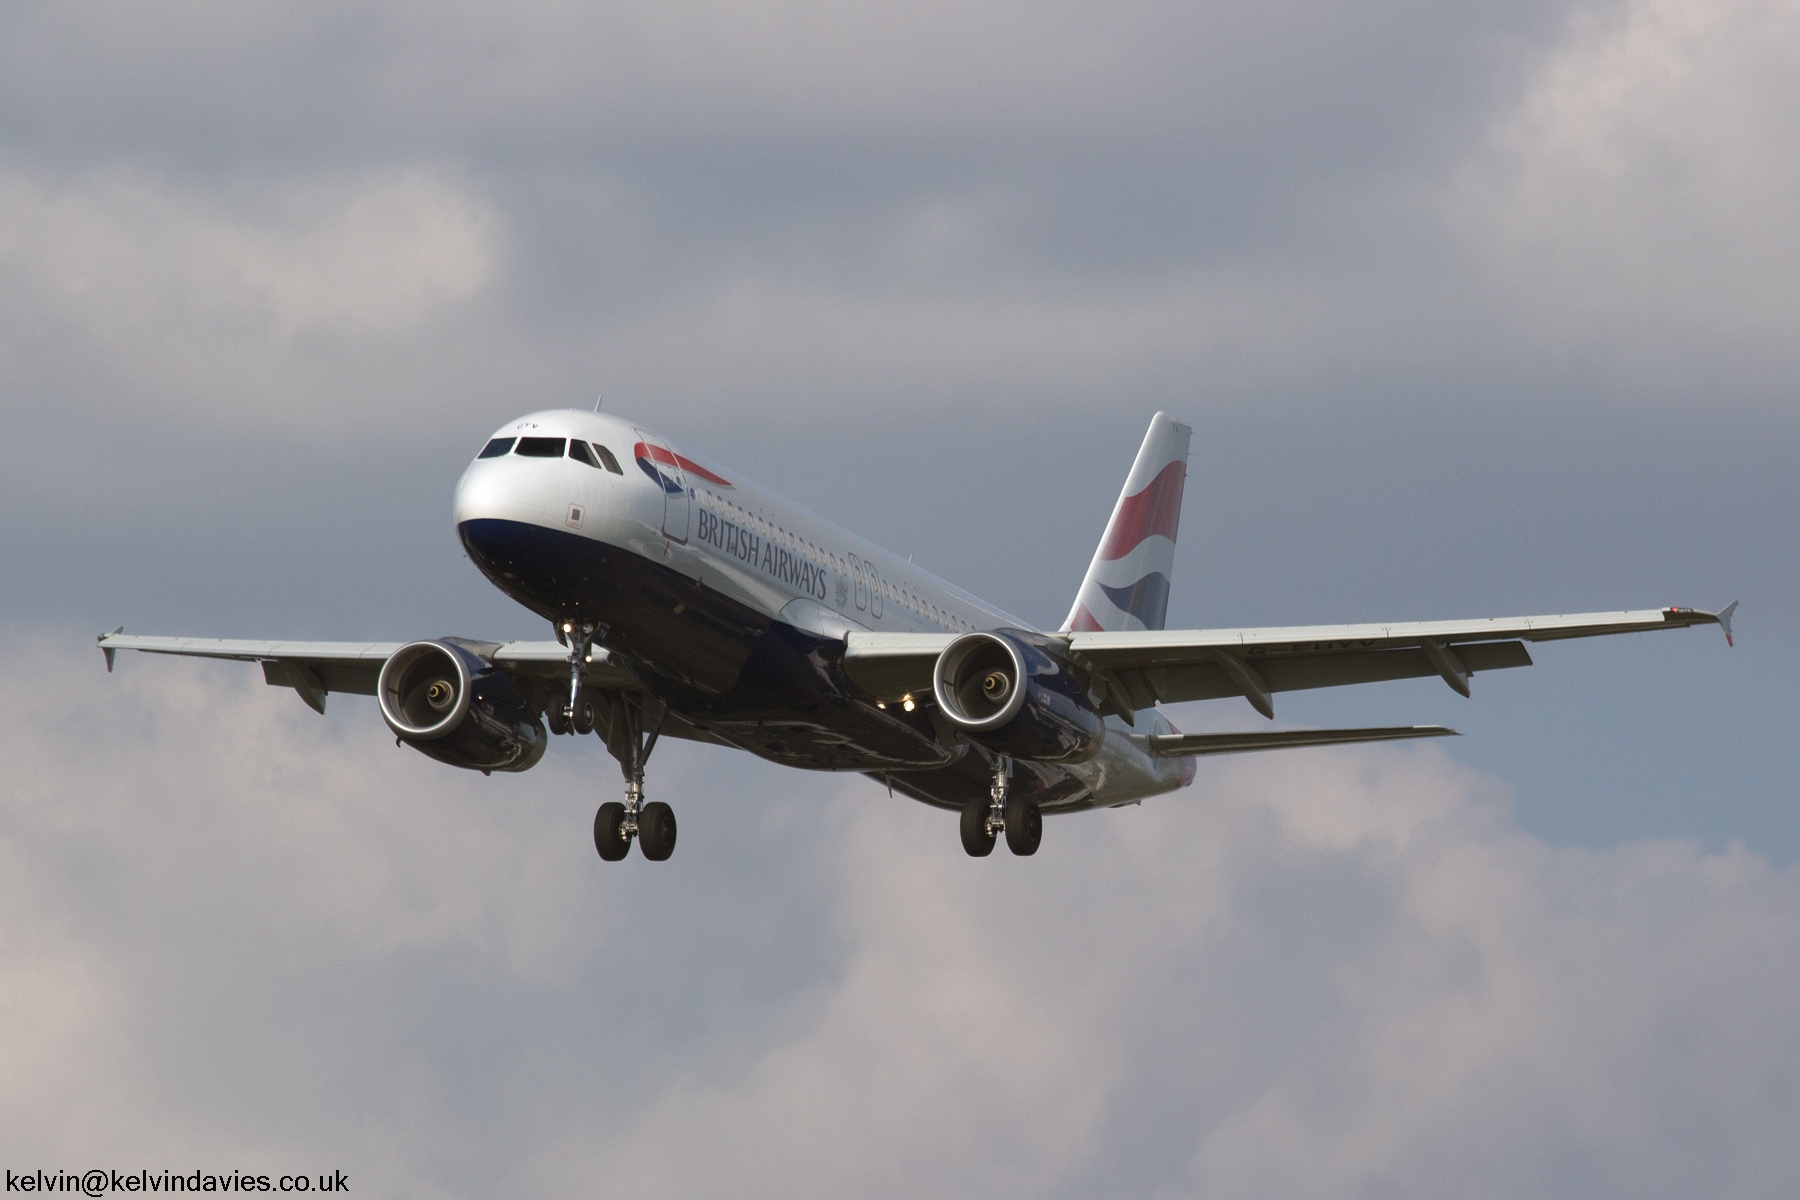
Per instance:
x=1005, y=693
x=444, y=700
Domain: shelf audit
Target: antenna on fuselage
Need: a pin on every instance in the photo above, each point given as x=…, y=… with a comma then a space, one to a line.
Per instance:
x=597, y=400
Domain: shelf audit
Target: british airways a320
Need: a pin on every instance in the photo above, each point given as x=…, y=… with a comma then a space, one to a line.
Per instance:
x=688, y=602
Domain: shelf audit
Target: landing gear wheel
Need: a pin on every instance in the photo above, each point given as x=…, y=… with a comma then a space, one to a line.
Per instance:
x=584, y=717
x=977, y=838
x=1024, y=827
x=656, y=831
x=610, y=838
x=557, y=718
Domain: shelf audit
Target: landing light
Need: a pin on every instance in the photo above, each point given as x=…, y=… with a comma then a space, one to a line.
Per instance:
x=906, y=702
x=568, y=627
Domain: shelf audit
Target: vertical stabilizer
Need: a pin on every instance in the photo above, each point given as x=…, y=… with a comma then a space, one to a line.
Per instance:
x=1127, y=587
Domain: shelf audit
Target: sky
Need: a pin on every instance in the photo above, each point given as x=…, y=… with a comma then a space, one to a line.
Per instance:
x=1474, y=309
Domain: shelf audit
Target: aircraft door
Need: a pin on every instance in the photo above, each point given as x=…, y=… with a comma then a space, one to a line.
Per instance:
x=660, y=461
x=862, y=586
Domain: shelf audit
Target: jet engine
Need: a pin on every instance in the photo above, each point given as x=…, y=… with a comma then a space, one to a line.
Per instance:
x=446, y=701
x=1007, y=693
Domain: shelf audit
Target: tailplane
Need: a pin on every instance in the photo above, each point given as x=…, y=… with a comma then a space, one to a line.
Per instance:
x=1127, y=586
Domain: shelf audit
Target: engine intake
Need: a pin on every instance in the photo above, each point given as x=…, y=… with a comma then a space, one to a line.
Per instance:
x=447, y=702
x=1009, y=694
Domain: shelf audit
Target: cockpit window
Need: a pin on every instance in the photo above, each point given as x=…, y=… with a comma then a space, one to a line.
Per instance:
x=495, y=448
x=606, y=456
x=579, y=449
x=541, y=447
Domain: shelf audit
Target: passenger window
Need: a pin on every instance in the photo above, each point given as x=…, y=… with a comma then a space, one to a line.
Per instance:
x=606, y=457
x=495, y=448
x=541, y=447
x=579, y=449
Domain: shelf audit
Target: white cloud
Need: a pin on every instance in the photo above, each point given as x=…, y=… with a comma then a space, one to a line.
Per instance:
x=136, y=305
x=346, y=255
x=1638, y=200
x=233, y=929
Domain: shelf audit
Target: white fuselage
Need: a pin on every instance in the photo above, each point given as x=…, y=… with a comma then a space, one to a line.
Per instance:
x=710, y=525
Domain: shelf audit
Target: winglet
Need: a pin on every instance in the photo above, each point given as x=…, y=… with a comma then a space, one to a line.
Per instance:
x=109, y=651
x=1724, y=616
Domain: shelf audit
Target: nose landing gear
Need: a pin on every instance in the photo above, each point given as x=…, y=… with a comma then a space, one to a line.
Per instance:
x=1020, y=819
x=577, y=716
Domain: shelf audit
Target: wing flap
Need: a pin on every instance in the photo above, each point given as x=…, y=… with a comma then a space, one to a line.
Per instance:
x=891, y=665
x=1207, y=680
x=316, y=679
x=1184, y=745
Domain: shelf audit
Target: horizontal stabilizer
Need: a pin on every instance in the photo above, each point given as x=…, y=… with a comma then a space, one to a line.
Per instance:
x=1181, y=745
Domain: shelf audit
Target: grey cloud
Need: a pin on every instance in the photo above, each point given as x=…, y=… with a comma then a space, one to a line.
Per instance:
x=796, y=206
x=734, y=112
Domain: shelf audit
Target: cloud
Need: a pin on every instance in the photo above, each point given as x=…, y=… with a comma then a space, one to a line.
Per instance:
x=232, y=929
x=257, y=264
x=794, y=205
x=147, y=299
x=804, y=208
x=1639, y=197
x=356, y=256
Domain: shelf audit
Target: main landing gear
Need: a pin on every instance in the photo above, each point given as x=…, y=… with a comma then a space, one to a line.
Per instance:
x=632, y=724
x=982, y=821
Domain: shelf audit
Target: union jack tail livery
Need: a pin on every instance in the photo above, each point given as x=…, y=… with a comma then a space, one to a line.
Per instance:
x=1127, y=587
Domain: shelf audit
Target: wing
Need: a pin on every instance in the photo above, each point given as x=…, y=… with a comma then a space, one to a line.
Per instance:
x=1134, y=670
x=316, y=669
x=1182, y=745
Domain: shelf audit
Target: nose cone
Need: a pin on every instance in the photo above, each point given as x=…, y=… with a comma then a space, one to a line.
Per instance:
x=503, y=489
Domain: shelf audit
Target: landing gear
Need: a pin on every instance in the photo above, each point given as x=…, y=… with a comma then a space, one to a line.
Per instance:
x=630, y=726
x=577, y=716
x=977, y=829
x=1024, y=827
x=656, y=831
x=984, y=820
x=610, y=838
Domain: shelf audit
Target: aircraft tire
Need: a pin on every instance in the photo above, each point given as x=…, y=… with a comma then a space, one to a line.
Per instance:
x=609, y=832
x=1024, y=827
x=977, y=838
x=656, y=831
x=584, y=718
x=557, y=718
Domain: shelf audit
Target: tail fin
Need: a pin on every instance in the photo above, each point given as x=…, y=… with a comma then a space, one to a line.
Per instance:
x=1127, y=587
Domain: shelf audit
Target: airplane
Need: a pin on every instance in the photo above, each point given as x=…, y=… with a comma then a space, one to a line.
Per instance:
x=689, y=602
